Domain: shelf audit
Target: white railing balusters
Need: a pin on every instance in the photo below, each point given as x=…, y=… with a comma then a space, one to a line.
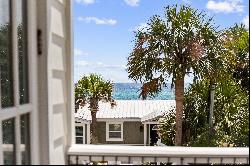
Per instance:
x=134, y=155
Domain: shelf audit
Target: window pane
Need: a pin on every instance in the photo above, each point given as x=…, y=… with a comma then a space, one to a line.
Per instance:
x=79, y=131
x=115, y=127
x=25, y=139
x=79, y=140
x=8, y=131
x=22, y=51
x=5, y=55
x=115, y=134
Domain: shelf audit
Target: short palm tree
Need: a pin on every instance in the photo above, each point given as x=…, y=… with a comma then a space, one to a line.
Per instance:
x=91, y=90
x=182, y=42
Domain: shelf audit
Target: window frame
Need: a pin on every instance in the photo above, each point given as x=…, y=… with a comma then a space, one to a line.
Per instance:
x=107, y=131
x=83, y=129
x=30, y=108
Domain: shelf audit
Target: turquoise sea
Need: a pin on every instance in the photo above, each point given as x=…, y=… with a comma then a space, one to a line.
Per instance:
x=131, y=91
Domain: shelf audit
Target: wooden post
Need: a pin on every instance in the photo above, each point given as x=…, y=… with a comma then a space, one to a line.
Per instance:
x=145, y=134
x=88, y=133
x=149, y=134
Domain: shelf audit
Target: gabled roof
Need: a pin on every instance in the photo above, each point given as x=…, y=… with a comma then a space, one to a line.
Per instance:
x=129, y=109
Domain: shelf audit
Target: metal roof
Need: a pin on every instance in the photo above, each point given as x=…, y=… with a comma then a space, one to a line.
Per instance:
x=130, y=109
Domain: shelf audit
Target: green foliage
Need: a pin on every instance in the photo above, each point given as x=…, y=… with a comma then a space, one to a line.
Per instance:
x=93, y=87
x=168, y=129
x=183, y=41
x=91, y=90
x=231, y=116
x=236, y=54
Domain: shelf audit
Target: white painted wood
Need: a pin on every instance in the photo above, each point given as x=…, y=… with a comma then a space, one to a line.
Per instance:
x=175, y=155
x=171, y=151
x=55, y=80
x=1, y=139
x=83, y=128
x=42, y=83
x=32, y=59
x=149, y=139
x=88, y=133
x=10, y=112
x=156, y=122
x=17, y=110
x=145, y=134
x=18, y=140
x=14, y=52
x=70, y=68
x=118, y=119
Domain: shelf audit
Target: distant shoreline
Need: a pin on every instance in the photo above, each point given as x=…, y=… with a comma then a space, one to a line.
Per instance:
x=131, y=91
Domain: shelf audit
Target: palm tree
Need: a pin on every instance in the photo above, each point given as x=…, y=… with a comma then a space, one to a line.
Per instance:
x=91, y=90
x=183, y=42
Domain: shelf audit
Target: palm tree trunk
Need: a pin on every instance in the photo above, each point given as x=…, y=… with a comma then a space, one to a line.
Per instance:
x=179, y=96
x=93, y=125
x=93, y=128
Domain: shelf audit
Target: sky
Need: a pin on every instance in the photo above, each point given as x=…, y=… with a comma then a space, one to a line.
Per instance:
x=104, y=30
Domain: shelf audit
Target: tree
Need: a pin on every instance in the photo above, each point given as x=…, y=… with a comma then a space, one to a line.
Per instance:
x=236, y=55
x=184, y=41
x=91, y=90
x=231, y=122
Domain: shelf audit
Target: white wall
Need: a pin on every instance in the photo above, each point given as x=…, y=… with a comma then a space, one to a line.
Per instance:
x=55, y=77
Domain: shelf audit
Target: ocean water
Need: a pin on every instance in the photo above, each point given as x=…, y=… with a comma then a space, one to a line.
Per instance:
x=131, y=91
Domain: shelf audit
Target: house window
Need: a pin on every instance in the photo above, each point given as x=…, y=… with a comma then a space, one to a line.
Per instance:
x=9, y=148
x=17, y=83
x=80, y=133
x=114, y=131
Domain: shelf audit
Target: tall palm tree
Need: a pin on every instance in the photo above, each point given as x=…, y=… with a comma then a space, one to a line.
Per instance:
x=182, y=42
x=91, y=90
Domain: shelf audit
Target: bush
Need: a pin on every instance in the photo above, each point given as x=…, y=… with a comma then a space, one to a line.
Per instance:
x=231, y=116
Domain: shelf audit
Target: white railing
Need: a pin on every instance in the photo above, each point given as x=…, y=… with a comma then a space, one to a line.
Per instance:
x=116, y=155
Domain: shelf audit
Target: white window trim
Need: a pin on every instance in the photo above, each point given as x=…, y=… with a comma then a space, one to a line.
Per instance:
x=107, y=131
x=83, y=128
x=17, y=110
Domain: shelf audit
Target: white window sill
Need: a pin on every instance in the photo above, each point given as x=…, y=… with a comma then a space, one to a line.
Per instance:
x=114, y=139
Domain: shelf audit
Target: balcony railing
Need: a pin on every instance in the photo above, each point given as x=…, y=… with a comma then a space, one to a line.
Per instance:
x=121, y=155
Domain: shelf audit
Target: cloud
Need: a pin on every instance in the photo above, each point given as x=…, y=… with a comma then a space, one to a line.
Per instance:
x=141, y=27
x=226, y=6
x=245, y=21
x=98, y=21
x=78, y=52
x=132, y=3
x=85, y=2
x=82, y=63
x=116, y=73
x=99, y=65
x=186, y=2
